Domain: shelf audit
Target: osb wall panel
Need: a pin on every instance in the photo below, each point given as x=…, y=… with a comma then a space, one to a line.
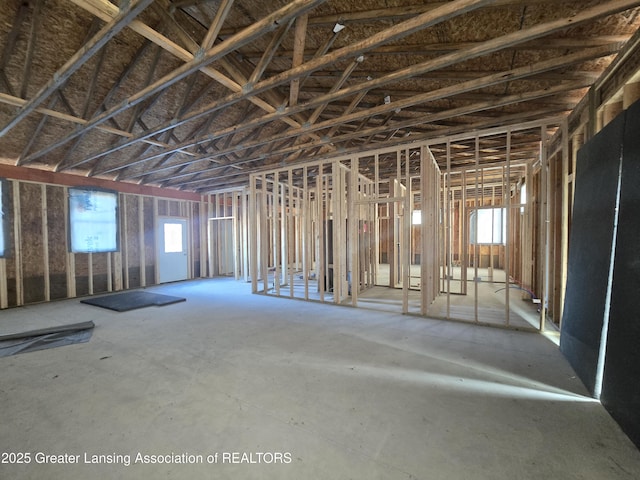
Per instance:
x=57, y=241
x=149, y=239
x=163, y=207
x=40, y=251
x=100, y=272
x=31, y=245
x=82, y=273
x=175, y=208
x=130, y=239
x=131, y=230
x=195, y=238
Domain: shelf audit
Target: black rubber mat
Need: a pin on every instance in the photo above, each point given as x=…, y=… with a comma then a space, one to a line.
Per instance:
x=125, y=301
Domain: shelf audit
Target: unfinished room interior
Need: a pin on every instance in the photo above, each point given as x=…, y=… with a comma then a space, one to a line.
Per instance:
x=320, y=239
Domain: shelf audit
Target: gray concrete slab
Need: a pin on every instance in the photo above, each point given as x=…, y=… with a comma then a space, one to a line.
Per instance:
x=338, y=392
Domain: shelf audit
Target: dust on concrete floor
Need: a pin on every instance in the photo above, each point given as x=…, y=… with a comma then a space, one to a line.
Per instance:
x=346, y=393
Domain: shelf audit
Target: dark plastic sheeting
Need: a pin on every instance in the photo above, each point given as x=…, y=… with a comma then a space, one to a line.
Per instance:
x=621, y=387
x=41, y=339
x=590, y=249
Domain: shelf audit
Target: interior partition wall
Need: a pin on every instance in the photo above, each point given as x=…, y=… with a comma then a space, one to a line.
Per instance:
x=391, y=229
x=486, y=234
x=227, y=234
x=343, y=230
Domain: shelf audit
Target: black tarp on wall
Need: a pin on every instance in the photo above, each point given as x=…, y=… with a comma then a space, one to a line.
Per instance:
x=612, y=157
x=590, y=249
x=621, y=385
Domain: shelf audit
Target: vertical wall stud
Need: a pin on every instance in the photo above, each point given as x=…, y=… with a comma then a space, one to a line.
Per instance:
x=45, y=243
x=141, y=243
x=124, y=250
x=17, y=233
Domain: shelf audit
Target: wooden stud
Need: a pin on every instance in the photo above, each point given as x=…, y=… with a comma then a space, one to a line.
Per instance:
x=506, y=195
x=252, y=225
x=190, y=240
x=155, y=236
x=464, y=236
x=529, y=234
x=543, y=241
x=71, y=260
x=114, y=259
x=244, y=224
x=90, y=272
x=141, y=244
x=288, y=232
x=448, y=232
x=564, y=242
x=235, y=225
x=406, y=237
x=337, y=191
x=45, y=243
x=218, y=260
x=376, y=217
x=211, y=253
x=306, y=212
x=124, y=261
x=476, y=247
x=17, y=234
x=631, y=93
x=611, y=111
x=276, y=232
x=265, y=233
x=322, y=215
x=425, y=170
x=4, y=296
x=353, y=224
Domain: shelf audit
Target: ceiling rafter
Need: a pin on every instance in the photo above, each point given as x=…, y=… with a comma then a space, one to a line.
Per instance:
x=517, y=120
x=481, y=106
x=457, y=57
x=112, y=91
x=298, y=55
x=233, y=93
x=450, y=10
x=126, y=15
x=21, y=15
x=438, y=48
x=470, y=85
x=216, y=52
x=36, y=21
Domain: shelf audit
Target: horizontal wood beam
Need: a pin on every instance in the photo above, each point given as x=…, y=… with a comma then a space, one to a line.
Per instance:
x=438, y=47
x=66, y=179
x=513, y=123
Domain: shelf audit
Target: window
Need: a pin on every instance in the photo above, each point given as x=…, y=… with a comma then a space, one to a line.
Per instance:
x=172, y=238
x=416, y=217
x=488, y=226
x=93, y=220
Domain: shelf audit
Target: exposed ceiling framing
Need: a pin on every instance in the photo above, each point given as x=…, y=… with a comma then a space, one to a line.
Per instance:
x=197, y=94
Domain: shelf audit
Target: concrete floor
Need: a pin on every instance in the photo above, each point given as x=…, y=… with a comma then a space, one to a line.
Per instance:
x=343, y=393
